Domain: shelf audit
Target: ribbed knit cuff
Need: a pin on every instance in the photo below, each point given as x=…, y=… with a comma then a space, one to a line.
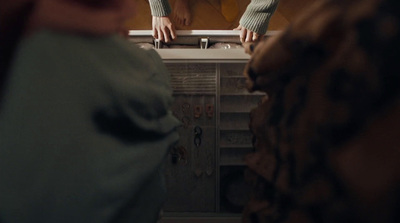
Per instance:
x=257, y=15
x=160, y=8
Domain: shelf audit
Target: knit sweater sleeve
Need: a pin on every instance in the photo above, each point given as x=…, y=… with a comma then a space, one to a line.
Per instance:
x=257, y=15
x=160, y=7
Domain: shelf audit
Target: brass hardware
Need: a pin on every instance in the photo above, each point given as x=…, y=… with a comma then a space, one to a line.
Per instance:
x=198, y=110
x=179, y=155
x=197, y=136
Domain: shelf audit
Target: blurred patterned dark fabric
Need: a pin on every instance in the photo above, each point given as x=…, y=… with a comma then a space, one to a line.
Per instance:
x=327, y=135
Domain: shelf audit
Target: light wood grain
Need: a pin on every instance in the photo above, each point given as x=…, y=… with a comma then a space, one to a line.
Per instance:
x=206, y=15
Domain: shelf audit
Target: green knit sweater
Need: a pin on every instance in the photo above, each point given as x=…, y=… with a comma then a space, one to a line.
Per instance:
x=255, y=18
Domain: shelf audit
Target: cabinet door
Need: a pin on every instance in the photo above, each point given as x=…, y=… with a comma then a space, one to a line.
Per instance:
x=190, y=171
x=235, y=138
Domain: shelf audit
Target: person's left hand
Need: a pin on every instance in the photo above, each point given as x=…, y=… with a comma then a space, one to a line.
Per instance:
x=163, y=29
x=248, y=35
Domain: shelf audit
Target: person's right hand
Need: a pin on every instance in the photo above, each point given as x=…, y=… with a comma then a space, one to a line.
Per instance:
x=163, y=29
x=247, y=35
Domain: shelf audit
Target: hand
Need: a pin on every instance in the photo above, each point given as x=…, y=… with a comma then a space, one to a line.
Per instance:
x=248, y=35
x=163, y=29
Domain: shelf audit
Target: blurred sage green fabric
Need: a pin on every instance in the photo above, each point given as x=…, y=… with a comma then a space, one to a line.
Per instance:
x=85, y=127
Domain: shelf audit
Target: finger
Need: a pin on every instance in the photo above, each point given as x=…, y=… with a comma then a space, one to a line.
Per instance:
x=255, y=37
x=153, y=27
x=249, y=36
x=160, y=35
x=173, y=32
x=166, y=34
x=242, y=35
x=154, y=33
